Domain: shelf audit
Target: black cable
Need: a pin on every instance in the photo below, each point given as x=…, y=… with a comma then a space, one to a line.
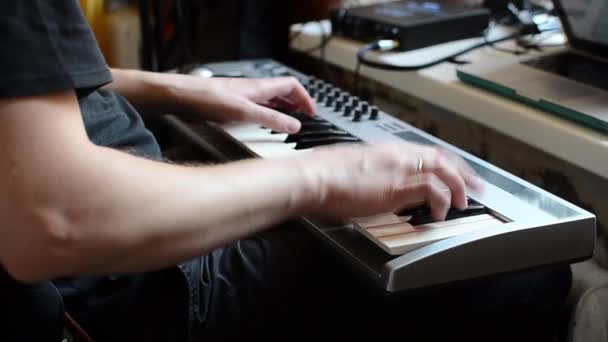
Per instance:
x=357, y=76
x=148, y=54
x=182, y=21
x=526, y=27
x=386, y=45
x=378, y=65
x=325, y=38
x=516, y=52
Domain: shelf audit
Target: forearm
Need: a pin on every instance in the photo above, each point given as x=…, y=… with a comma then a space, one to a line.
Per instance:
x=170, y=213
x=216, y=99
x=118, y=213
x=150, y=92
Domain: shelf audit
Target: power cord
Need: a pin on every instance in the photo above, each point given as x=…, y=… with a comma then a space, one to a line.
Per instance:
x=387, y=45
x=321, y=47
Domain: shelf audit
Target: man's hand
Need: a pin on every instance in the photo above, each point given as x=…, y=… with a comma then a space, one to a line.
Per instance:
x=217, y=99
x=247, y=100
x=356, y=181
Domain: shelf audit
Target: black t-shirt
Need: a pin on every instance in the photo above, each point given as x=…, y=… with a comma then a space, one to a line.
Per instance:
x=47, y=46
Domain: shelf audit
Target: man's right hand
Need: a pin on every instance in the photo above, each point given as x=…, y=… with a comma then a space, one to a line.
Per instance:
x=362, y=180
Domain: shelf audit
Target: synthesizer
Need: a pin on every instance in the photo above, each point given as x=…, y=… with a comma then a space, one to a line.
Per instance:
x=512, y=225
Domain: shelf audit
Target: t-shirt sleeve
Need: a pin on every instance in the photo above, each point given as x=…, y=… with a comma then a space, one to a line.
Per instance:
x=48, y=46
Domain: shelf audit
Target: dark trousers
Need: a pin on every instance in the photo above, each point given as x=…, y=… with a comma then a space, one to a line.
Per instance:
x=282, y=285
x=30, y=312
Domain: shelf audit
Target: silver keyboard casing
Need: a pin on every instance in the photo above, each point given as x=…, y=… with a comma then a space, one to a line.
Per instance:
x=543, y=229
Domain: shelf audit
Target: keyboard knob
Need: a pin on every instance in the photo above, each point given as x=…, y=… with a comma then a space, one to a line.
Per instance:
x=374, y=114
x=364, y=107
x=348, y=110
x=338, y=106
x=358, y=115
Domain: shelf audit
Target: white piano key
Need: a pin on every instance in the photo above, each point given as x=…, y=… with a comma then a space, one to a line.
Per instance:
x=377, y=220
x=391, y=229
x=389, y=224
x=271, y=149
x=259, y=136
x=253, y=132
x=239, y=128
x=398, y=244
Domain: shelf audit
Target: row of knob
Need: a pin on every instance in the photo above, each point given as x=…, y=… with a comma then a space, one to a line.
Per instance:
x=317, y=131
x=331, y=97
x=328, y=95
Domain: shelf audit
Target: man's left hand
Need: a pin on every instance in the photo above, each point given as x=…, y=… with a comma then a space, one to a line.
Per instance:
x=258, y=100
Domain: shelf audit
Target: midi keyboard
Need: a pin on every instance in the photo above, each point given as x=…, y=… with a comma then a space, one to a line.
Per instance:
x=512, y=225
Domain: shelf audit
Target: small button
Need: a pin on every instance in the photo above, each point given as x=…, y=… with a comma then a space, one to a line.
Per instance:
x=338, y=106
x=348, y=110
x=374, y=114
x=364, y=107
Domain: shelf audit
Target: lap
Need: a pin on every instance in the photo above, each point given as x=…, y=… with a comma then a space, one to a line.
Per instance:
x=285, y=278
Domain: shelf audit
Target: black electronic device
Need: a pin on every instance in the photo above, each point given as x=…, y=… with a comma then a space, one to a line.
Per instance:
x=413, y=23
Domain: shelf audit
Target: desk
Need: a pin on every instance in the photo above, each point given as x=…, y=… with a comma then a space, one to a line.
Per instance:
x=439, y=86
x=558, y=155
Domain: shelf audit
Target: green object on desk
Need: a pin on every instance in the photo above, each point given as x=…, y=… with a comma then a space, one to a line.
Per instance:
x=550, y=107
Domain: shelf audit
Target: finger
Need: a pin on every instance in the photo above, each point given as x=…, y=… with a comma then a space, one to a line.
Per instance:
x=289, y=89
x=428, y=187
x=450, y=174
x=471, y=177
x=271, y=118
x=283, y=105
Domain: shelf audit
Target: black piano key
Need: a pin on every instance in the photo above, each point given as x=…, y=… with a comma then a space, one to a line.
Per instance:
x=418, y=211
x=422, y=214
x=316, y=126
x=472, y=210
x=316, y=134
x=313, y=142
x=312, y=127
x=303, y=117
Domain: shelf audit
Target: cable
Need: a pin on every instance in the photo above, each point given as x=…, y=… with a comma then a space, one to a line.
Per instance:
x=388, y=45
x=325, y=38
x=378, y=65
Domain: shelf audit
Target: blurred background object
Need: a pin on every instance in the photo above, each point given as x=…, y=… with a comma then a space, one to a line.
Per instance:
x=94, y=11
x=160, y=35
x=164, y=34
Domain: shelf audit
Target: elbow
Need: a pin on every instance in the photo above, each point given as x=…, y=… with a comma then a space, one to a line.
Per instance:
x=41, y=248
